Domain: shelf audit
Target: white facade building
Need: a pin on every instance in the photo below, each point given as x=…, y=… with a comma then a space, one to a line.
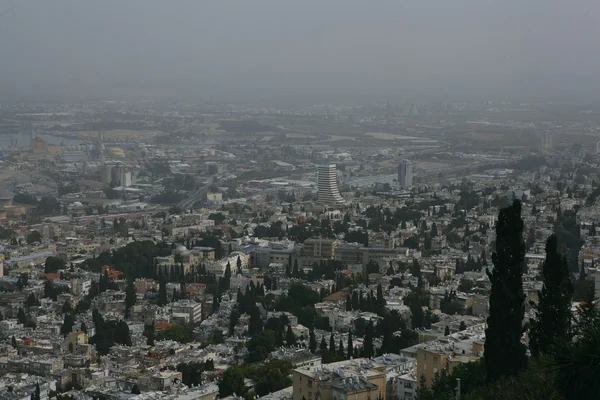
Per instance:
x=405, y=174
x=327, y=187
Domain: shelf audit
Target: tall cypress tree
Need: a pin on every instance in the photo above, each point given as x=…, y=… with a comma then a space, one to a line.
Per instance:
x=130, y=297
x=380, y=299
x=553, y=321
x=341, y=349
x=290, y=338
x=312, y=341
x=348, y=302
x=162, y=291
x=504, y=351
x=350, y=346
x=331, y=344
x=322, y=346
x=367, y=350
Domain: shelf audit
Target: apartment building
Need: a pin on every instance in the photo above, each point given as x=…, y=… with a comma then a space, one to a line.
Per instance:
x=358, y=379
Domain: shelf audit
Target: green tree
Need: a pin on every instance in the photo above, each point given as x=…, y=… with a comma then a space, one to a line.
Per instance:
x=162, y=291
x=33, y=237
x=312, y=341
x=348, y=302
x=22, y=317
x=322, y=345
x=256, y=323
x=380, y=298
x=271, y=377
x=552, y=324
x=423, y=391
x=368, y=350
x=504, y=351
x=350, y=347
x=239, y=265
x=67, y=325
x=225, y=280
x=130, y=297
x=150, y=333
x=53, y=264
x=232, y=381
x=32, y=301
x=340, y=352
x=260, y=346
x=434, y=230
x=290, y=338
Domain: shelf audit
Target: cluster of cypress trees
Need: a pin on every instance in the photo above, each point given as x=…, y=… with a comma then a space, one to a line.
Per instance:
x=565, y=351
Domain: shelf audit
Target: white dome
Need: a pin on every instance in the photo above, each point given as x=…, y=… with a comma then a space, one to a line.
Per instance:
x=181, y=248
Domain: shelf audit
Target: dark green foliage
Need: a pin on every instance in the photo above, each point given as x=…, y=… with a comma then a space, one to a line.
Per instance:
x=162, y=291
x=350, y=346
x=322, y=345
x=34, y=237
x=312, y=342
x=271, y=376
x=182, y=333
x=504, y=352
x=577, y=363
x=109, y=333
x=232, y=381
x=191, y=373
x=32, y=301
x=150, y=333
x=130, y=297
x=260, y=346
x=553, y=322
x=423, y=392
x=53, y=264
x=300, y=301
x=136, y=259
x=368, y=350
x=67, y=325
x=256, y=323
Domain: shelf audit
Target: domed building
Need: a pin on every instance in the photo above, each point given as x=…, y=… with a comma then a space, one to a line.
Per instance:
x=180, y=249
x=116, y=152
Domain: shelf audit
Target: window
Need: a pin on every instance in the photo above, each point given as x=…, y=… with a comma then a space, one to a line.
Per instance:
x=310, y=382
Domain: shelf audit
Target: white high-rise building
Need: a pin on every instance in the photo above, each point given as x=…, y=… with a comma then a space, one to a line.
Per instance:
x=405, y=174
x=328, y=191
x=546, y=140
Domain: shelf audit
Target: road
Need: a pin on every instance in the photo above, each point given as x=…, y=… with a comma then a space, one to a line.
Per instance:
x=196, y=196
x=199, y=194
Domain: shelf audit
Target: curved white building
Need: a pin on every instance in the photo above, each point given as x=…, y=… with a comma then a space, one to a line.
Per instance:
x=327, y=188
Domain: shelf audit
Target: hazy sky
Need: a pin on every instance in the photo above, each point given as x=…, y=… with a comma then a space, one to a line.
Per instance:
x=395, y=47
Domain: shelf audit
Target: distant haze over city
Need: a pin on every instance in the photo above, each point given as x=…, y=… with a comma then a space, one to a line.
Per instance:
x=309, y=50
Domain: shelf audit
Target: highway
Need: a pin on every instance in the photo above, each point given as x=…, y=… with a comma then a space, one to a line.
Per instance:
x=199, y=194
x=196, y=196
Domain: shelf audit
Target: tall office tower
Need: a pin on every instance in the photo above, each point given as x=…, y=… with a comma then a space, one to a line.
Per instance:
x=405, y=174
x=328, y=191
x=546, y=140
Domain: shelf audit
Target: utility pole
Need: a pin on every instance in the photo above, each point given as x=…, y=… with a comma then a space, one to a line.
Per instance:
x=457, y=388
